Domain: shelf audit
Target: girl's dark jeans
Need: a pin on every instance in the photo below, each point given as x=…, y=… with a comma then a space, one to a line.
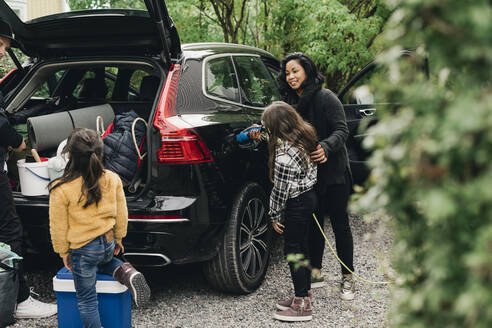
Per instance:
x=96, y=256
x=298, y=217
x=333, y=200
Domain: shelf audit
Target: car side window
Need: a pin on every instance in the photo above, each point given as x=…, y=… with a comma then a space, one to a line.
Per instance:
x=136, y=84
x=220, y=79
x=274, y=74
x=97, y=84
x=47, y=88
x=367, y=90
x=110, y=79
x=364, y=91
x=257, y=86
x=87, y=75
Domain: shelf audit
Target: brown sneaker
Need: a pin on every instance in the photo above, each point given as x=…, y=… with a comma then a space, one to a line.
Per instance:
x=134, y=281
x=300, y=310
x=285, y=304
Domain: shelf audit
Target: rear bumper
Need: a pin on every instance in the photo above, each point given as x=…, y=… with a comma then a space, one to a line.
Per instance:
x=158, y=243
x=185, y=238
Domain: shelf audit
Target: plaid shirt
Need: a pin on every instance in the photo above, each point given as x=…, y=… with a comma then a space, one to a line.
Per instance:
x=290, y=178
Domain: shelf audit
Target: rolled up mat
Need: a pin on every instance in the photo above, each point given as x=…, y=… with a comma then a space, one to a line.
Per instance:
x=47, y=131
x=86, y=117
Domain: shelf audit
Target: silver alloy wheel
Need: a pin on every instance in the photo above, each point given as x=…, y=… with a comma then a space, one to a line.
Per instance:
x=242, y=260
x=253, y=247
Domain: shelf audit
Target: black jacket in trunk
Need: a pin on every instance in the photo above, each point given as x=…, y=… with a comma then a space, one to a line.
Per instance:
x=120, y=154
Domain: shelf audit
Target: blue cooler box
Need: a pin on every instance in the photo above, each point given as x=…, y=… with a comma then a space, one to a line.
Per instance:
x=115, y=302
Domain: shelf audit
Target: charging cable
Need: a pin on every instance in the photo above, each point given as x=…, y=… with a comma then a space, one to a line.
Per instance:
x=344, y=265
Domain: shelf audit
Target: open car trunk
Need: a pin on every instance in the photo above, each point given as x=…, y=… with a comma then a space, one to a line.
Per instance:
x=97, y=32
x=75, y=76
x=61, y=96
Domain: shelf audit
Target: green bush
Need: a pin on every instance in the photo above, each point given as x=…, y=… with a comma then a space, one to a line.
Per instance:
x=338, y=35
x=6, y=65
x=432, y=170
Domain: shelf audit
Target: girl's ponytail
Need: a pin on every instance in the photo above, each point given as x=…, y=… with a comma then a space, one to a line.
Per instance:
x=90, y=187
x=85, y=148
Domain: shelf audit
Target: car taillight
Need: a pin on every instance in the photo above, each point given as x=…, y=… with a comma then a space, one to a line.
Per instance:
x=180, y=143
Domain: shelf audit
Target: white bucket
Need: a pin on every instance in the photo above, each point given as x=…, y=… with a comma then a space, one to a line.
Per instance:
x=33, y=178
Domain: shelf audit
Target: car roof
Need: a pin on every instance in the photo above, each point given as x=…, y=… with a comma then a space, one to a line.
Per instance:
x=204, y=49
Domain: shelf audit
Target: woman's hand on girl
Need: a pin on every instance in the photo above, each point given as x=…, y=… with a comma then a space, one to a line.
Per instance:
x=318, y=156
x=118, y=248
x=278, y=227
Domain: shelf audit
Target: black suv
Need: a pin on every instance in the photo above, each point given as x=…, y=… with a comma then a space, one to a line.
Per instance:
x=198, y=196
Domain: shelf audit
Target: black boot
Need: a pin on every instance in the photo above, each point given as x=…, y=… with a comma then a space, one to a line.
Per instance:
x=134, y=281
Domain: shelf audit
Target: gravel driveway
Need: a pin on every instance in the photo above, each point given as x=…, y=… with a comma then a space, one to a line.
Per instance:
x=182, y=298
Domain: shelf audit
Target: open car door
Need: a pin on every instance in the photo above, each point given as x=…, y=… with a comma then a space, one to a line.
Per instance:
x=363, y=102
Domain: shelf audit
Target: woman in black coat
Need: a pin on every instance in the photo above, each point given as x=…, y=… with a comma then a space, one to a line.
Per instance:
x=301, y=86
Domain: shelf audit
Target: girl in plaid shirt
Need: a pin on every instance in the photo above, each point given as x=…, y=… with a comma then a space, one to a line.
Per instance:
x=292, y=200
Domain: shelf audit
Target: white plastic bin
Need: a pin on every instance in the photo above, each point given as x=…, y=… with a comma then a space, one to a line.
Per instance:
x=33, y=178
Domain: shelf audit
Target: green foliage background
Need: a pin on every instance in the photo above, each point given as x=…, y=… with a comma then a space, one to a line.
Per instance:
x=338, y=34
x=432, y=170
x=432, y=164
x=6, y=63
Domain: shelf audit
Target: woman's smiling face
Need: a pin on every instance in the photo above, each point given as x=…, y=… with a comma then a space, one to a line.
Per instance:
x=294, y=74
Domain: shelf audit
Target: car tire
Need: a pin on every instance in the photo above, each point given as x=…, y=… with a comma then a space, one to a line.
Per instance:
x=244, y=254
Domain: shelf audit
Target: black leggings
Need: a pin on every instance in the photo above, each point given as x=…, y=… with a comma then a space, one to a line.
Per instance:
x=298, y=214
x=11, y=230
x=333, y=200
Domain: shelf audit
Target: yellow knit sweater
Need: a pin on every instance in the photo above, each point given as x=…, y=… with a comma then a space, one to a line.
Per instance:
x=72, y=226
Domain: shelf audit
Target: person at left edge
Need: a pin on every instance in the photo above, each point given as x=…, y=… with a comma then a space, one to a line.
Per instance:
x=10, y=224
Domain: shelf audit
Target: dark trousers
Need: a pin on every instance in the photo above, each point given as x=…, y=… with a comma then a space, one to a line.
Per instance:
x=298, y=215
x=333, y=200
x=11, y=230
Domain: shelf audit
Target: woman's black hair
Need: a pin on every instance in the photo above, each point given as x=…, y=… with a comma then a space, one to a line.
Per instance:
x=85, y=148
x=313, y=77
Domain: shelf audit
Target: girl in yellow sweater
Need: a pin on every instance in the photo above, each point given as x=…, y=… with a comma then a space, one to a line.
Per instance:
x=88, y=220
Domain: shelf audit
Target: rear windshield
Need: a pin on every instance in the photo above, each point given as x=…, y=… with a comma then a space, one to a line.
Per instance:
x=29, y=10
